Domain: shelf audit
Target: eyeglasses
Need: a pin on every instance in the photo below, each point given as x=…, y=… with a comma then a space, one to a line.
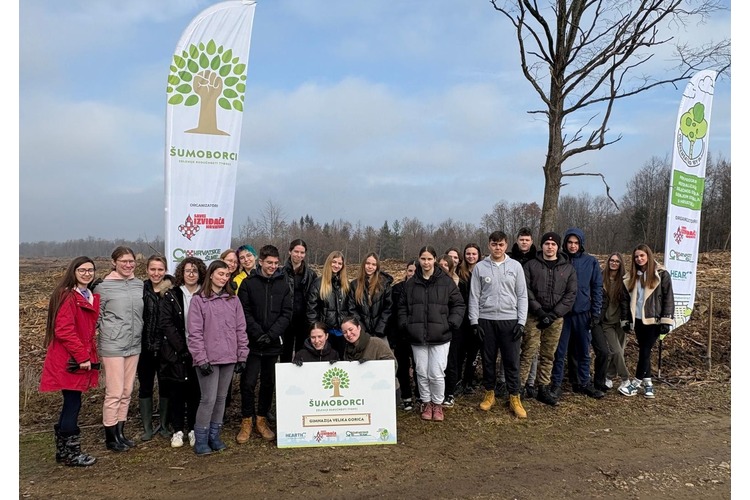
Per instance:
x=614, y=261
x=191, y=271
x=126, y=262
x=85, y=271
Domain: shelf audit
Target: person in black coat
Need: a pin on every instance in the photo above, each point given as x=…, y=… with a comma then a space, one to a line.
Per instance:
x=430, y=310
x=370, y=296
x=154, y=288
x=267, y=303
x=175, y=361
x=300, y=279
x=327, y=300
x=316, y=347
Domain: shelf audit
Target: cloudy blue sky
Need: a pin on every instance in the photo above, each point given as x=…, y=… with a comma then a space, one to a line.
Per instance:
x=364, y=111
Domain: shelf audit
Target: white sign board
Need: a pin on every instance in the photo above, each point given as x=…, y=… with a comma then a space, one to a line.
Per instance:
x=342, y=404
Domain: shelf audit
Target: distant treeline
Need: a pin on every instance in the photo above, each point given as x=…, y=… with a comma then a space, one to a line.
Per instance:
x=639, y=216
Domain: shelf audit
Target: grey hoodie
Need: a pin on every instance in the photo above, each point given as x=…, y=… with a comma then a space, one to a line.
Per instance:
x=498, y=291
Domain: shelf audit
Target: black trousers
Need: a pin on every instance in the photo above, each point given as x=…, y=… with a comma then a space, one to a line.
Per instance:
x=263, y=367
x=184, y=399
x=498, y=335
x=646, y=335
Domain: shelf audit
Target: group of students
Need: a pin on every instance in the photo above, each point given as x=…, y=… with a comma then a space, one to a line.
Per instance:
x=245, y=311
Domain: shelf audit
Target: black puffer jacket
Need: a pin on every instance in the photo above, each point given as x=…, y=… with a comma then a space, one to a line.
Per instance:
x=309, y=353
x=267, y=303
x=330, y=310
x=373, y=317
x=430, y=310
x=304, y=282
x=151, y=336
x=550, y=289
x=174, y=359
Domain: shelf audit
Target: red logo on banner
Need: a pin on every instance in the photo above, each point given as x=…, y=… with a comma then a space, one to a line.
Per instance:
x=188, y=229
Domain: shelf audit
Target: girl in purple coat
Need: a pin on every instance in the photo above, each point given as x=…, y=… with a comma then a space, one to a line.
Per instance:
x=217, y=342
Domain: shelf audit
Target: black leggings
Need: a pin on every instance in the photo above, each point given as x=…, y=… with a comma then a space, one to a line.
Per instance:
x=646, y=335
x=68, y=423
x=148, y=368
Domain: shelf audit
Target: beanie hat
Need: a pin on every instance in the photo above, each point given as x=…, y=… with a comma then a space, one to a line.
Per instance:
x=551, y=236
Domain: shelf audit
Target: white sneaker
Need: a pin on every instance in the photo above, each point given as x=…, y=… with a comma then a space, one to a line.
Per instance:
x=608, y=383
x=631, y=389
x=177, y=439
x=191, y=438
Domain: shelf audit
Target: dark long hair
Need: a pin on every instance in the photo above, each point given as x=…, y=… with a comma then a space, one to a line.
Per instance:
x=64, y=288
x=206, y=289
x=464, y=271
x=647, y=276
x=613, y=288
x=373, y=286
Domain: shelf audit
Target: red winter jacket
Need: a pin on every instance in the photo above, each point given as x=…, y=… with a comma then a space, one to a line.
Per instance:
x=75, y=336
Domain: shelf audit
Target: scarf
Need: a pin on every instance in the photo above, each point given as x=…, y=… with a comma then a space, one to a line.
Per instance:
x=354, y=352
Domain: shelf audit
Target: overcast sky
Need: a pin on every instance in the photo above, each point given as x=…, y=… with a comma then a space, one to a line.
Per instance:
x=364, y=111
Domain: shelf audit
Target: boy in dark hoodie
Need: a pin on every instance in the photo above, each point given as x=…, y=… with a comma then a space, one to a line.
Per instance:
x=586, y=312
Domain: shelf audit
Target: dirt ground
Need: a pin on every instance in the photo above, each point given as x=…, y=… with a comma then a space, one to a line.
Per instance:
x=676, y=446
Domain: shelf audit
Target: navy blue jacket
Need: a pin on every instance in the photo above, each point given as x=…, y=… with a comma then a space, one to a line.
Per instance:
x=589, y=276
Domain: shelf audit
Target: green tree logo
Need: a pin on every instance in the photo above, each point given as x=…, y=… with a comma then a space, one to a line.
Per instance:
x=208, y=75
x=693, y=125
x=335, y=379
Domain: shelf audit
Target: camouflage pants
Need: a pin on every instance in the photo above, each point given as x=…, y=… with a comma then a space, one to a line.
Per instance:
x=545, y=343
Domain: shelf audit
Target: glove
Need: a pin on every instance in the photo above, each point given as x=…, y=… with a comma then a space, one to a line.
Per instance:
x=297, y=361
x=333, y=361
x=518, y=332
x=664, y=331
x=206, y=369
x=479, y=332
x=362, y=360
x=73, y=366
x=264, y=339
x=545, y=321
x=593, y=321
x=626, y=326
x=239, y=367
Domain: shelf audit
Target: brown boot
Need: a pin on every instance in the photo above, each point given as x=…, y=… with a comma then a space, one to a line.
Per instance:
x=489, y=400
x=515, y=404
x=245, y=429
x=261, y=427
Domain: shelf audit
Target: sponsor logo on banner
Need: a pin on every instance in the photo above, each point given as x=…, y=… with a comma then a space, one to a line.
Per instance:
x=179, y=254
x=193, y=224
x=678, y=256
x=684, y=233
x=680, y=275
x=295, y=435
x=323, y=434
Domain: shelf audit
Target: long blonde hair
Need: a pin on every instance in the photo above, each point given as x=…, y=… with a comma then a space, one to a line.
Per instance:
x=326, y=280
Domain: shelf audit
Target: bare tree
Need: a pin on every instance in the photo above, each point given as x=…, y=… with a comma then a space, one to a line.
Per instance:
x=581, y=56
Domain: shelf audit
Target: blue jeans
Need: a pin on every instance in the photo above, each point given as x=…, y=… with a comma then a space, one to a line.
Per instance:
x=575, y=332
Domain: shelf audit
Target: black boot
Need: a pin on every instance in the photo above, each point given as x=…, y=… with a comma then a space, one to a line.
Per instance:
x=121, y=437
x=544, y=395
x=61, y=453
x=592, y=392
x=74, y=457
x=555, y=391
x=147, y=409
x=112, y=440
